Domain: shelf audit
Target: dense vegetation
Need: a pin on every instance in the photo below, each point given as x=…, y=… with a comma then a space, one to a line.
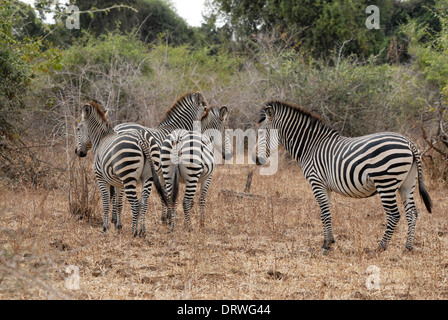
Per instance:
x=138, y=57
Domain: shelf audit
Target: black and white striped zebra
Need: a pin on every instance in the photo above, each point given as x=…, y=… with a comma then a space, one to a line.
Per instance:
x=120, y=162
x=185, y=113
x=382, y=163
x=188, y=157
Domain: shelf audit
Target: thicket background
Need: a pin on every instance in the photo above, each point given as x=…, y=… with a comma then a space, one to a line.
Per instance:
x=139, y=56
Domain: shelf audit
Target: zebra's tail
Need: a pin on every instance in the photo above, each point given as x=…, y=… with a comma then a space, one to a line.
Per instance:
x=147, y=149
x=421, y=186
x=175, y=191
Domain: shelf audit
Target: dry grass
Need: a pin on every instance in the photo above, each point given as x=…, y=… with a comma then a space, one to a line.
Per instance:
x=249, y=249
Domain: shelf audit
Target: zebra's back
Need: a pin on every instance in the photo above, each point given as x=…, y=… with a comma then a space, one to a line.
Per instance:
x=356, y=167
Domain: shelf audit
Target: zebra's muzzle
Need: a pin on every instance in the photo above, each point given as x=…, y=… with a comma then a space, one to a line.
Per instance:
x=261, y=161
x=81, y=154
x=228, y=156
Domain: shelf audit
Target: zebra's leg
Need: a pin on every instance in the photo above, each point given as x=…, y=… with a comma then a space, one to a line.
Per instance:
x=144, y=206
x=167, y=215
x=164, y=214
x=119, y=206
x=171, y=209
x=202, y=198
x=190, y=191
x=389, y=201
x=407, y=196
x=411, y=218
x=172, y=215
x=165, y=209
x=113, y=197
x=130, y=189
x=104, y=189
x=322, y=196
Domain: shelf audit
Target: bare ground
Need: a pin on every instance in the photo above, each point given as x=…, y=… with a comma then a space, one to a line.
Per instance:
x=263, y=248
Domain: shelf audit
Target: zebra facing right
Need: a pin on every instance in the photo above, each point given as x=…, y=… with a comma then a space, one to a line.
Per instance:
x=383, y=163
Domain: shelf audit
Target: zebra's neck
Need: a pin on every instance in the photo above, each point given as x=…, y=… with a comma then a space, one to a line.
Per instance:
x=184, y=122
x=302, y=134
x=97, y=132
x=211, y=134
x=181, y=116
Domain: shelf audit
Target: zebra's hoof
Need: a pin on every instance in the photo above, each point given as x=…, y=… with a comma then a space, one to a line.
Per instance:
x=119, y=227
x=327, y=244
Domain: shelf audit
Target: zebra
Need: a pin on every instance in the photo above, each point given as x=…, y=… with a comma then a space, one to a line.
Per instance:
x=183, y=114
x=381, y=163
x=188, y=156
x=120, y=161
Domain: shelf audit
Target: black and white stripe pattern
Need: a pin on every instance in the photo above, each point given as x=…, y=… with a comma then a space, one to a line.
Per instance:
x=187, y=156
x=382, y=163
x=121, y=161
x=183, y=114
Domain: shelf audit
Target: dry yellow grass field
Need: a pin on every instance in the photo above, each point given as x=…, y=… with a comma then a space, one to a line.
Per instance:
x=264, y=248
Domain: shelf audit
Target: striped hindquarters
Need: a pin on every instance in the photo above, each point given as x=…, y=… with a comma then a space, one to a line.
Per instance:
x=359, y=167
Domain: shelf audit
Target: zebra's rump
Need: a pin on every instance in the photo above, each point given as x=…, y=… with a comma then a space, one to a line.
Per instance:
x=121, y=159
x=188, y=150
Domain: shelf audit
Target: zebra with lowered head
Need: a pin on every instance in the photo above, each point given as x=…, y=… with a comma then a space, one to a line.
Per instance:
x=188, y=157
x=183, y=114
x=120, y=161
x=383, y=163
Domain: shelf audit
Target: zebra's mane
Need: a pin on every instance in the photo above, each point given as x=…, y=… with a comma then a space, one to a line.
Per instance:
x=280, y=105
x=179, y=104
x=205, y=115
x=99, y=109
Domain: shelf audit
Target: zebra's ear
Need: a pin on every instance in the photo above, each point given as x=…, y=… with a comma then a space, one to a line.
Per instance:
x=86, y=111
x=223, y=113
x=269, y=113
x=198, y=97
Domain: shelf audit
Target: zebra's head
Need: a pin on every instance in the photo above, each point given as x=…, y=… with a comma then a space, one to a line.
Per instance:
x=268, y=139
x=93, y=121
x=84, y=144
x=214, y=125
x=187, y=110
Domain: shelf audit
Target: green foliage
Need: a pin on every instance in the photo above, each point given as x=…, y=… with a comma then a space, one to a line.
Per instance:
x=104, y=50
x=431, y=48
x=123, y=72
x=21, y=60
x=320, y=27
x=355, y=97
x=148, y=19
